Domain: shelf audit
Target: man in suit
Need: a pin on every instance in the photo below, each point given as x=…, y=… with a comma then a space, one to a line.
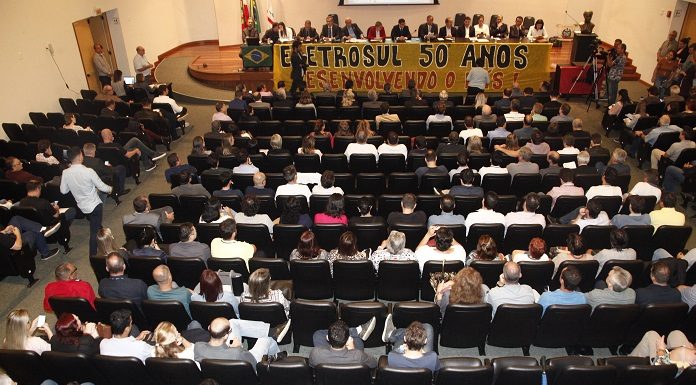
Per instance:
x=351, y=30
x=500, y=30
x=144, y=215
x=112, y=175
x=427, y=30
x=400, y=32
x=330, y=31
x=517, y=31
x=449, y=31
x=376, y=32
x=308, y=33
x=271, y=36
x=467, y=30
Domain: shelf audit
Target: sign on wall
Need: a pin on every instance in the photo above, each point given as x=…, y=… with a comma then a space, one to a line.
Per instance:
x=434, y=67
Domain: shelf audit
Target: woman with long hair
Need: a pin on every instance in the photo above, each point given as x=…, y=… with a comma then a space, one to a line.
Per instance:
x=107, y=244
x=292, y=214
x=486, y=250
x=347, y=249
x=306, y=101
x=259, y=290
x=480, y=100
x=209, y=289
x=19, y=330
x=446, y=247
x=198, y=146
x=170, y=344
x=392, y=249
x=334, y=212
x=118, y=85
x=466, y=288
x=348, y=98
x=308, y=248
x=474, y=145
x=343, y=129
x=73, y=336
x=364, y=125
x=308, y=146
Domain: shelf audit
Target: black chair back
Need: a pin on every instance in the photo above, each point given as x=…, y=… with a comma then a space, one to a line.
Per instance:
x=427, y=292
x=490, y=270
x=174, y=371
x=514, y=326
x=476, y=317
x=122, y=370
x=343, y=374
x=269, y=312
x=398, y=280
x=562, y=325
x=311, y=279
x=106, y=306
x=172, y=311
x=354, y=280
x=404, y=376
x=206, y=312
x=588, y=271
x=536, y=274
x=75, y=305
x=308, y=317
x=289, y=371
x=141, y=268
x=24, y=366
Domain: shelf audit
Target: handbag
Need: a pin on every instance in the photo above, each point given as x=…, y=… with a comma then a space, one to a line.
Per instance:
x=438, y=277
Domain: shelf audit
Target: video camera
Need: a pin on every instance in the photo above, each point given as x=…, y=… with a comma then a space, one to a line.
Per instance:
x=598, y=51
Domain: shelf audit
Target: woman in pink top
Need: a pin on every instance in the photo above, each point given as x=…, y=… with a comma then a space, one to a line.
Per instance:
x=334, y=212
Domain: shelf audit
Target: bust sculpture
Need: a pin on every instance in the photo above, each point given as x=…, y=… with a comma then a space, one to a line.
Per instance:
x=587, y=26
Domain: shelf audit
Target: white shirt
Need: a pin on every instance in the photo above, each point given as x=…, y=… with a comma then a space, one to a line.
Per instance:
x=358, y=148
x=484, y=29
x=320, y=190
x=221, y=116
x=469, y=132
x=400, y=148
x=524, y=218
x=603, y=190
x=645, y=189
x=83, y=183
x=258, y=218
x=524, y=257
x=427, y=253
x=483, y=216
x=601, y=220
x=568, y=151
x=514, y=116
x=294, y=189
x=126, y=347
x=492, y=170
x=166, y=99
x=438, y=118
x=318, y=152
x=534, y=33
x=140, y=62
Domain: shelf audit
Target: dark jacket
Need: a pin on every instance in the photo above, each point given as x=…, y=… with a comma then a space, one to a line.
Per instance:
x=398, y=32
x=356, y=30
x=423, y=30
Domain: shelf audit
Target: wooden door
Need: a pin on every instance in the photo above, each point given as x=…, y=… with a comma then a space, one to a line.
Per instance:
x=85, y=43
x=101, y=34
x=689, y=26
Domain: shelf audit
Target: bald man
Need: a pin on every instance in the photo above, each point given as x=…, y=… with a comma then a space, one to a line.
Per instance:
x=351, y=30
x=67, y=285
x=117, y=285
x=223, y=345
x=259, y=187
x=141, y=64
x=164, y=289
x=509, y=290
x=133, y=147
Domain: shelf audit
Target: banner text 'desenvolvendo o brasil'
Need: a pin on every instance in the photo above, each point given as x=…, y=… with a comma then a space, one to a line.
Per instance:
x=434, y=67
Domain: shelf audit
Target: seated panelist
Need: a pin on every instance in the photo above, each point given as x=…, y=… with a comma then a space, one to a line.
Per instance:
x=449, y=31
x=330, y=32
x=376, y=32
x=481, y=30
x=308, y=33
x=400, y=32
x=467, y=30
x=351, y=30
x=271, y=36
x=427, y=30
x=500, y=30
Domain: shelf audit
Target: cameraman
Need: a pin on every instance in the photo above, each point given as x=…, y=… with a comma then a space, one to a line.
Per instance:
x=616, y=61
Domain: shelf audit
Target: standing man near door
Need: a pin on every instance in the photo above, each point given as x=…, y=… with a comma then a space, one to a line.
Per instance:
x=85, y=185
x=142, y=65
x=102, y=65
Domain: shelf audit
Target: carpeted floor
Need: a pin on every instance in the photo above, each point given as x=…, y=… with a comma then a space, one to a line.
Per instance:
x=15, y=294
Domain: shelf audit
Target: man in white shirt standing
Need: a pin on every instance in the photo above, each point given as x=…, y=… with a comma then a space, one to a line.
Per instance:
x=478, y=78
x=102, y=65
x=85, y=184
x=361, y=147
x=292, y=187
x=509, y=290
x=141, y=64
x=392, y=146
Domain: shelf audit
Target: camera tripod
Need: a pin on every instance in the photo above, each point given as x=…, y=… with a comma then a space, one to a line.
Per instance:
x=597, y=73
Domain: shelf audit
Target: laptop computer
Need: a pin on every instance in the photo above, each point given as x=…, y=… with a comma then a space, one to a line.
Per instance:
x=129, y=80
x=253, y=41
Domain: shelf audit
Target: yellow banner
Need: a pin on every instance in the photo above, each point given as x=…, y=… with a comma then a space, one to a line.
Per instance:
x=434, y=67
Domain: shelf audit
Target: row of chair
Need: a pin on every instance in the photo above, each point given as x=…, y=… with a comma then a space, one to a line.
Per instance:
x=462, y=326
x=29, y=368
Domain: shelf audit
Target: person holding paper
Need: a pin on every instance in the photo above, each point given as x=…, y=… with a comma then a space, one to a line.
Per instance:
x=427, y=30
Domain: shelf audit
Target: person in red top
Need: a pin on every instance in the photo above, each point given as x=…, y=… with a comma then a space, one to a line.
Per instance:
x=375, y=30
x=334, y=212
x=16, y=173
x=67, y=285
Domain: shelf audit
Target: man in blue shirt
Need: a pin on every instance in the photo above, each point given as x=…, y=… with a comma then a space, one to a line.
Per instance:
x=176, y=168
x=568, y=294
